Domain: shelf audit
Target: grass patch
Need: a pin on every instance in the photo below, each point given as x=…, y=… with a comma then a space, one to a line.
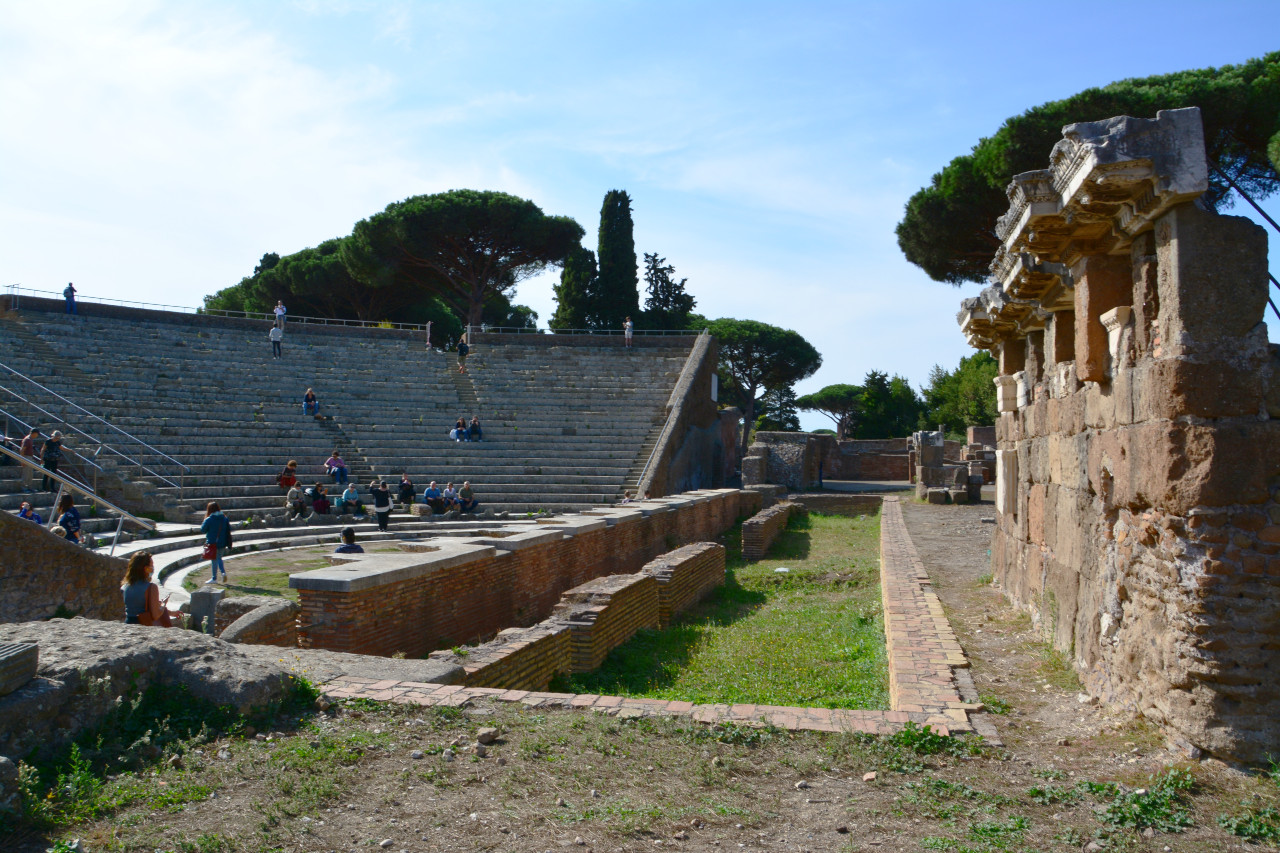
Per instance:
x=811, y=636
x=267, y=574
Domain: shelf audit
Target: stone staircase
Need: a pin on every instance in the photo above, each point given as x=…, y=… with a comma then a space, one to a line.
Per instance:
x=564, y=426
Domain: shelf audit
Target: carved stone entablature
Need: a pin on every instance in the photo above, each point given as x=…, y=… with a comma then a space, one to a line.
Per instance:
x=1030, y=278
x=991, y=316
x=1031, y=195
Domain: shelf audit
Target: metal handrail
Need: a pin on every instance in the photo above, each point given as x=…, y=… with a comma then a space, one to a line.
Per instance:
x=128, y=435
x=15, y=290
x=82, y=488
x=27, y=427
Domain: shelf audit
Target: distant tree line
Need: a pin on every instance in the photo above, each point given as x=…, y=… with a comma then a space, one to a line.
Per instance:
x=948, y=229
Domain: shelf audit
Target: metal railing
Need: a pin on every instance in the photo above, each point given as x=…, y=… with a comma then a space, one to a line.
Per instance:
x=66, y=484
x=16, y=290
x=182, y=469
x=525, y=330
x=79, y=460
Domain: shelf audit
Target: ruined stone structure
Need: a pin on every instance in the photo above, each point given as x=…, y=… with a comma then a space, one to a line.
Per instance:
x=800, y=460
x=1139, y=436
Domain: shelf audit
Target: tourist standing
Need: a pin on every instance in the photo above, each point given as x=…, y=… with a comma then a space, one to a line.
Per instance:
x=28, y=449
x=217, y=539
x=626, y=332
x=142, y=604
x=381, y=503
x=463, y=349
x=69, y=294
x=50, y=456
x=68, y=518
x=276, y=335
x=280, y=312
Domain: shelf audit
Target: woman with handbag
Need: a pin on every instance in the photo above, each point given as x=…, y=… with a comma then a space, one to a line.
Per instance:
x=217, y=539
x=142, y=604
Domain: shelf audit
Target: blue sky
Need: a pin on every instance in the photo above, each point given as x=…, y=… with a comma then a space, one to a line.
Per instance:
x=154, y=151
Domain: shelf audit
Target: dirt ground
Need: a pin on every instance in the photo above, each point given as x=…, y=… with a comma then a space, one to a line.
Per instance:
x=370, y=777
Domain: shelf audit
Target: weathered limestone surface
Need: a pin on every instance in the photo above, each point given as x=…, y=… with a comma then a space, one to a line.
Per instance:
x=1138, y=469
x=40, y=572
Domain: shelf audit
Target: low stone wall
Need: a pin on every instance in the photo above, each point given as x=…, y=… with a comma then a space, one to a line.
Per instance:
x=469, y=588
x=685, y=576
x=40, y=572
x=592, y=620
x=833, y=503
x=258, y=620
x=760, y=530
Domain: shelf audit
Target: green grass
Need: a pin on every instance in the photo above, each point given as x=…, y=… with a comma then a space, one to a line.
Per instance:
x=813, y=636
x=263, y=575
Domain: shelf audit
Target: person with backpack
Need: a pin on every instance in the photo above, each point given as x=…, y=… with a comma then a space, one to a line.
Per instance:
x=69, y=293
x=217, y=539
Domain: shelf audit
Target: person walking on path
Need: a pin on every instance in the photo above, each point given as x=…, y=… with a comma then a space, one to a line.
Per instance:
x=310, y=403
x=217, y=539
x=381, y=503
x=69, y=293
x=276, y=335
x=50, y=456
x=280, y=311
x=142, y=604
x=627, y=328
x=28, y=449
x=68, y=518
x=463, y=349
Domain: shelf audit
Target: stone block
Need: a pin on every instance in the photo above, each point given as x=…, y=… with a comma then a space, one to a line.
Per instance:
x=930, y=456
x=1006, y=481
x=1103, y=282
x=958, y=496
x=18, y=665
x=931, y=476
x=936, y=496
x=1006, y=394
x=204, y=606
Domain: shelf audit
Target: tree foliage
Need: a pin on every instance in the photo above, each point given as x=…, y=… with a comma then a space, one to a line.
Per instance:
x=576, y=292
x=841, y=403
x=755, y=358
x=617, y=292
x=778, y=412
x=472, y=244
x=669, y=305
x=962, y=397
x=948, y=227
x=891, y=408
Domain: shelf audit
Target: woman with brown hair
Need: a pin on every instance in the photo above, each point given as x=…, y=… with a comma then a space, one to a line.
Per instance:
x=217, y=539
x=142, y=604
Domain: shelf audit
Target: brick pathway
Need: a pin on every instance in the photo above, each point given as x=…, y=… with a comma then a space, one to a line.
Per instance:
x=925, y=666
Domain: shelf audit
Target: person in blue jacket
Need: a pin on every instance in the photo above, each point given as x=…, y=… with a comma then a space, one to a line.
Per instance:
x=68, y=517
x=217, y=532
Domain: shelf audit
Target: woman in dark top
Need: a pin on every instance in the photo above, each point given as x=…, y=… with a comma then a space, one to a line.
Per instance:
x=381, y=502
x=408, y=492
x=320, y=503
x=217, y=532
x=310, y=403
x=50, y=455
x=68, y=517
x=289, y=476
x=475, y=431
x=142, y=604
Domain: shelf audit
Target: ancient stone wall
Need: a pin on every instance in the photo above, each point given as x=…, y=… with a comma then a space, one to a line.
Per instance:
x=591, y=620
x=762, y=529
x=257, y=620
x=40, y=573
x=469, y=589
x=1138, y=446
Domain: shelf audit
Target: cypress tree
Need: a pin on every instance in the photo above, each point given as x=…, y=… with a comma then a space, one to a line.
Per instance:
x=576, y=291
x=618, y=283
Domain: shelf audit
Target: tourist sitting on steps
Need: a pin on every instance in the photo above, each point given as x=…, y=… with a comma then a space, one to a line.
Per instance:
x=348, y=545
x=25, y=511
x=289, y=476
x=450, y=495
x=349, y=501
x=466, y=498
x=336, y=468
x=319, y=499
x=459, y=431
x=142, y=604
x=474, y=431
x=434, y=498
x=68, y=518
x=295, y=503
x=408, y=492
x=310, y=403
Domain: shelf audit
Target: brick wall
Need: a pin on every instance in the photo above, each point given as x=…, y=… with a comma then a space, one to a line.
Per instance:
x=760, y=530
x=471, y=589
x=591, y=620
x=40, y=572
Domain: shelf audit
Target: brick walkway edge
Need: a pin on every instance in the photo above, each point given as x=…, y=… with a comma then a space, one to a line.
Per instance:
x=926, y=682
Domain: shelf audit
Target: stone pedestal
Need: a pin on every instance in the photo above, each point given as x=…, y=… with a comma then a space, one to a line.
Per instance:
x=204, y=604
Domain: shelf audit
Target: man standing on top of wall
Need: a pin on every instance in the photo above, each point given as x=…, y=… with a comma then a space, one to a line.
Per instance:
x=69, y=292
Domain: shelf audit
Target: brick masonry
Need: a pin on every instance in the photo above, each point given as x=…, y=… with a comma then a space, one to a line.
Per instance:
x=927, y=668
x=760, y=530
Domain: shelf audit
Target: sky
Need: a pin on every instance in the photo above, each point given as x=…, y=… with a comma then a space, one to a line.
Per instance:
x=154, y=151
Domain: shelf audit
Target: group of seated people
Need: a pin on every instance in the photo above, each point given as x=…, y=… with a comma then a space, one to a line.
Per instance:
x=462, y=431
x=302, y=501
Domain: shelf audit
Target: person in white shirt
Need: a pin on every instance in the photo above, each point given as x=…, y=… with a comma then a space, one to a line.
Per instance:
x=280, y=312
x=277, y=335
